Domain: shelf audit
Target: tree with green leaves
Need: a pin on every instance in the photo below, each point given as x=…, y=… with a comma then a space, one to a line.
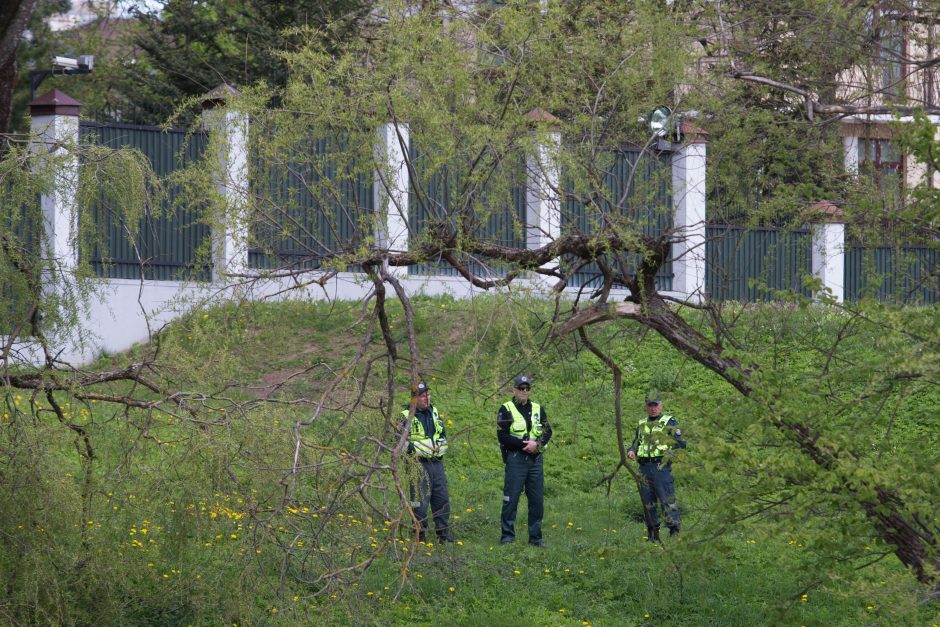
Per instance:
x=478, y=103
x=190, y=48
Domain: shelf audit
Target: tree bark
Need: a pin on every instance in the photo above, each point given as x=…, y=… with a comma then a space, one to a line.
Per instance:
x=14, y=16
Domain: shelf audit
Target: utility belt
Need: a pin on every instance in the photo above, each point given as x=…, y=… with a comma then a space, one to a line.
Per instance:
x=650, y=460
x=509, y=453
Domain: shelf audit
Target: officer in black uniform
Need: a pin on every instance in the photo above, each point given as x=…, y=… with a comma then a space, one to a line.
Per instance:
x=427, y=441
x=655, y=437
x=523, y=431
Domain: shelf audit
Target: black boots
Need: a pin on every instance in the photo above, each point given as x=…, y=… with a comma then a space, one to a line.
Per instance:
x=652, y=534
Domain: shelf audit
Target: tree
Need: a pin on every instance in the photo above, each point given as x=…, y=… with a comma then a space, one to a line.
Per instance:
x=461, y=90
x=464, y=88
x=190, y=48
x=14, y=18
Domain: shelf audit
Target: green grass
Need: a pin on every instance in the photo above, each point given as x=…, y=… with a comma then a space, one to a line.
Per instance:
x=218, y=550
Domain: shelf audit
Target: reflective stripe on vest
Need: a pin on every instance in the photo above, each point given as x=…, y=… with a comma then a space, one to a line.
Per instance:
x=517, y=428
x=652, y=440
x=427, y=446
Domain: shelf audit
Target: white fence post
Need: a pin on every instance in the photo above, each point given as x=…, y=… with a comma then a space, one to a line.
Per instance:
x=688, y=201
x=55, y=122
x=543, y=185
x=391, y=190
x=228, y=145
x=829, y=249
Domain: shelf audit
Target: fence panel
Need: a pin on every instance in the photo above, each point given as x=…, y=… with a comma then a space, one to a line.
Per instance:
x=172, y=243
x=770, y=258
x=21, y=228
x=644, y=182
x=499, y=211
x=309, y=207
x=895, y=274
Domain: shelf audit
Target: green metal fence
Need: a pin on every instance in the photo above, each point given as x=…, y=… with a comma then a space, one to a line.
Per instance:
x=21, y=227
x=642, y=181
x=895, y=274
x=750, y=264
x=498, y=216
x=309, y=208
x=172, y=243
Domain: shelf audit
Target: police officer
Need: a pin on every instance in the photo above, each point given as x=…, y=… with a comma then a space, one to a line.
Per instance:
x=427, y=441
x=523, y=431
x=655, y=437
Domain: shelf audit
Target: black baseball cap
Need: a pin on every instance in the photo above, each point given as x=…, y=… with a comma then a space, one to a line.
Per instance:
x=421, y=388
x=652, y=397
x=523, y=380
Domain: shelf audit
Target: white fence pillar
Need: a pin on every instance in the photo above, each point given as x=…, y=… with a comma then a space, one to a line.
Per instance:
x=55, y=123
x=391, y=189
x=228, y=145
x=543, y=185
x=829, y=249
x=688, y=200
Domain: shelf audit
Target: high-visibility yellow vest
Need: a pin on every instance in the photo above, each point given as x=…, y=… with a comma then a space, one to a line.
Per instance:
x=518, y=428
x=654, y=439
x=427, y=445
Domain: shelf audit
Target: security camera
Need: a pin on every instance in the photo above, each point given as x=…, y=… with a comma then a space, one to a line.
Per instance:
x=64, y=63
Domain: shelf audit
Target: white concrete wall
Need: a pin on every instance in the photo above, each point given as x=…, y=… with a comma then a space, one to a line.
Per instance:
x=125, y=312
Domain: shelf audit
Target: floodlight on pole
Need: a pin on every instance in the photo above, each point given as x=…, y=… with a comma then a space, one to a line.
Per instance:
x=660, y=121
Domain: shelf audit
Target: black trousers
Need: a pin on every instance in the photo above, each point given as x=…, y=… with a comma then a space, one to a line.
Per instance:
x=523, y=472
x=659, y=488
x=431, y=488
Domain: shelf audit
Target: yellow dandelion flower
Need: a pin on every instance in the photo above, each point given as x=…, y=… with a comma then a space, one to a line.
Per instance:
x=803, y=598
x=518, y=572
x=452, y=589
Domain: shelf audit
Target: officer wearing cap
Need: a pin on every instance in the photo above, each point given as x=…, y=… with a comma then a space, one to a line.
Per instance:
x=655, y=437
x=523, y=431
x=427, y=441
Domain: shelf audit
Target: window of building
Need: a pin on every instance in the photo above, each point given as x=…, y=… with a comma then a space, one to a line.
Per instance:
x=881, y=159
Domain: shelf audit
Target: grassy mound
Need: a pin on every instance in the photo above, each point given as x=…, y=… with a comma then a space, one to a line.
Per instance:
x=218, y=515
